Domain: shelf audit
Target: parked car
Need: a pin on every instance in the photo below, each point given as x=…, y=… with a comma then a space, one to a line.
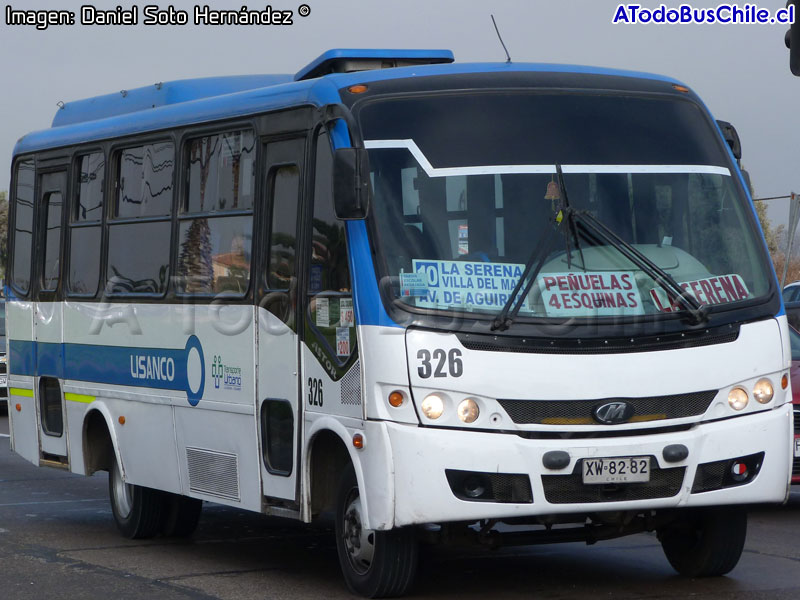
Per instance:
x=791, y=299
x=794, y=373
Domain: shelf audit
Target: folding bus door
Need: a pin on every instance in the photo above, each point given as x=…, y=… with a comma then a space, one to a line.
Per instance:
x=48, y=318
x=279, y=409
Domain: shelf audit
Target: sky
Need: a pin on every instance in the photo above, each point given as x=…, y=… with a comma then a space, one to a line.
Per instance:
x=741, y=71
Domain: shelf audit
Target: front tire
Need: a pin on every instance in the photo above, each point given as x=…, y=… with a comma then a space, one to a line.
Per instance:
x=138, y=511
x=375, y=564
x=707, y=542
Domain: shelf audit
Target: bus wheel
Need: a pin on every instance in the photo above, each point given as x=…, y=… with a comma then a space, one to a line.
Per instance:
x=137, y=510
x=182, y=515
x=707, y=542
x=376, y=564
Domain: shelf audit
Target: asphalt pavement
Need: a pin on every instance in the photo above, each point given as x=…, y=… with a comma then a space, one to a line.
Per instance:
x=58, y=539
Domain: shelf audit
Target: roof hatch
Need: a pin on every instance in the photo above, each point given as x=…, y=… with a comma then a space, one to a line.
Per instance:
x=342, y=60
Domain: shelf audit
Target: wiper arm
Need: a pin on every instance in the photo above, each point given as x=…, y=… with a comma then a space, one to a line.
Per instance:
x=535, y=263
x=695, y=312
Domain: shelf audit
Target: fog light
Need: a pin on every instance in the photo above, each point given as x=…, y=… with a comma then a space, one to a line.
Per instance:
x=763, y=391
x=739, y=471
x=468, y=410
x=473, y=487
x=737, y=398
x=433, y=406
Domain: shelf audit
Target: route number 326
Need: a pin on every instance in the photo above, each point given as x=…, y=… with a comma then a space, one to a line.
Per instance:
x=434, y=363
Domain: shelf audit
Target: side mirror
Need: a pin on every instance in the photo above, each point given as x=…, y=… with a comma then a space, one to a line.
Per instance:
x=732, y=137
x=793, y=38
x=351, y=183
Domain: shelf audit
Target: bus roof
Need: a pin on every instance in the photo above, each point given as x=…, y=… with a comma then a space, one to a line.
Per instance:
x=191, y=101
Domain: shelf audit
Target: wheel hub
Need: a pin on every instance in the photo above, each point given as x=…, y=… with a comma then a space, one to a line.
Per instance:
x=358, y=541
x=123, y=494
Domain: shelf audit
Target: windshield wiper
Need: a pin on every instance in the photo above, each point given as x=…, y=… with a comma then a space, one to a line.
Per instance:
x=564, y=215
x=696, y=313
x=535, y=263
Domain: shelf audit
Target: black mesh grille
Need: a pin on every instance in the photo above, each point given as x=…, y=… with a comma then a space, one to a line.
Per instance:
x=667, y=341
x=716, y=475
x=796, y=466
x=498, y=487
x=709, y=476
x=3, y=368
x=797, y=421
x=570, y=489
x=579, y=412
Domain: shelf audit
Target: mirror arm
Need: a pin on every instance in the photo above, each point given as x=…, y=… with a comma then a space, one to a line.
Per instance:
x=334, y=112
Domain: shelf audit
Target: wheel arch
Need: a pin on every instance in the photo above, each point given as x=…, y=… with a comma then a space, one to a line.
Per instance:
x=100, y=443
x=329, y=449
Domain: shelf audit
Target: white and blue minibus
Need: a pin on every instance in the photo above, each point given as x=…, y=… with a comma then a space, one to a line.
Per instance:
x=495, y=303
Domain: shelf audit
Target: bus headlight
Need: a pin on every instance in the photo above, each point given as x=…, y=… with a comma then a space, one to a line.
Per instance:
x=737, y=398
x=433, y=406
x=763, y=391
x=468, y=410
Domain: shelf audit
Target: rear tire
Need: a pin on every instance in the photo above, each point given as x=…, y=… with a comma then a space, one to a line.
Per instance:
x=707, y=542
x=376, y=564
x=138, y=511
x=181, y=516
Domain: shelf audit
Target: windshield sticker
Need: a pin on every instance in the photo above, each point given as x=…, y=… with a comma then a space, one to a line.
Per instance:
x=596, y=294
x=323, y=312
x=712, y=290
x=463, y=239
x=342, y=341
x=346, y=318
x=466, y=284
x=413, y=284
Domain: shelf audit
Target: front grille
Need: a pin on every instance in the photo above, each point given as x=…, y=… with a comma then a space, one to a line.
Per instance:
x=570, y=489
x=796, y=421
x=796, y=467
x=3, y=368
x=579, y=412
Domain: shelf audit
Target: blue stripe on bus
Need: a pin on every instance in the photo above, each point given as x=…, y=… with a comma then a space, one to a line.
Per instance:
x=157, y=368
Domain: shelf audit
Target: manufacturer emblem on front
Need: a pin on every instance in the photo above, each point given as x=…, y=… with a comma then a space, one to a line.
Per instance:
x=613, y=413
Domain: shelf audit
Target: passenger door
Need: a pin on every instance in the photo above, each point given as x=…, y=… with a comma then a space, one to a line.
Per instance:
x=48, y=318
x=278, y=319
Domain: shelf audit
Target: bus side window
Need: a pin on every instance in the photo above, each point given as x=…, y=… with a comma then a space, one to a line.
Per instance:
x=53, y=202
x=281, y=267
x=330, y=315
x=23, y=226
x=86, y=225
x=142, y=210
x=216, y=220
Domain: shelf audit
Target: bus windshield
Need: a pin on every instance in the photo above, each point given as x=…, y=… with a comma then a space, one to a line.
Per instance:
x=465, y=188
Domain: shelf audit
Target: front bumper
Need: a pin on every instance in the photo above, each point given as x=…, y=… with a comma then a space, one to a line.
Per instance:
x=422, y=455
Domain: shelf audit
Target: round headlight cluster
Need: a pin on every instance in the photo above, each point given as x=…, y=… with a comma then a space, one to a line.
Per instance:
x=433, y=407
x=763, y=393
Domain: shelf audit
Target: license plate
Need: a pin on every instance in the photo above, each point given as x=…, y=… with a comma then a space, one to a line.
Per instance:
x=797, y=446
x=625, y=469
x=3, y=380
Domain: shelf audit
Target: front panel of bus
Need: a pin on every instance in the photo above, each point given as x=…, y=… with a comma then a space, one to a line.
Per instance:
x=596, y=386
